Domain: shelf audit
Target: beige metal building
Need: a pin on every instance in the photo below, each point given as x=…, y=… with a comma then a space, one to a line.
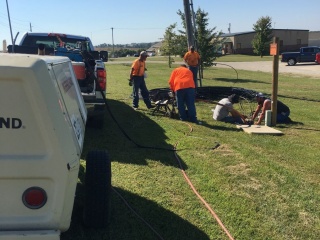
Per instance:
x=314, y=38
x=241, y=43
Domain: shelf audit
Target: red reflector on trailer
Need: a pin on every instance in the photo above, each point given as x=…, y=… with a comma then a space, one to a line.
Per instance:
x=34, y=197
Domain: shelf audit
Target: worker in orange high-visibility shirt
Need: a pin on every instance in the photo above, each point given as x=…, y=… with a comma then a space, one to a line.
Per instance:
x=137, y=81
x=182, y=84
x=192, y=58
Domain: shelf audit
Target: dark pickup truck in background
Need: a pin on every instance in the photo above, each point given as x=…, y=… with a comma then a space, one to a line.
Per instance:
x=306, y=54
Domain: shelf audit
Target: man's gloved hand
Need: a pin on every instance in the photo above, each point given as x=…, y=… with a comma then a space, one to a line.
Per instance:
x=130, y=82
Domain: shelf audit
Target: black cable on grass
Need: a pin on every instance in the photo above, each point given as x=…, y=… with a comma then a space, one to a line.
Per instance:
x=228, y=66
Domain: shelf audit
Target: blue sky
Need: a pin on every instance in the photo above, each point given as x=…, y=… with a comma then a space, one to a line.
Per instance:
x=147, y=20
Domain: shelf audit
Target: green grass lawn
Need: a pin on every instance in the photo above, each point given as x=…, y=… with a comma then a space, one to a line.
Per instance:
x=261, y=187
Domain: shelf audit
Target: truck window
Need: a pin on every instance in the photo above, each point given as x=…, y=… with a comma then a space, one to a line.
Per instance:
x=50, y=41
x=307, y=50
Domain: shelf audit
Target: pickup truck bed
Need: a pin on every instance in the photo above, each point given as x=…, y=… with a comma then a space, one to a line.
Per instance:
x=79, y=50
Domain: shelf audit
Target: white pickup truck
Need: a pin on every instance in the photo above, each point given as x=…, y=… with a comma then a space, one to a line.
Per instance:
x=42, y=130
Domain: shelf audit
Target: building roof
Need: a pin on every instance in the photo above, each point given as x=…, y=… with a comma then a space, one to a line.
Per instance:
x=236, y=34
x=248, y=32
x=154, y=47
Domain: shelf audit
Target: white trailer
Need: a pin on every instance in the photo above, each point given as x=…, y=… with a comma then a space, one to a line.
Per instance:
x=42, y=129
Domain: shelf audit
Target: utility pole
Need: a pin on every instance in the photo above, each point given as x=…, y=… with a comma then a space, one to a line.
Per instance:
x=10, y=27
x=192, y=31
x=187, y=13
x=30, y=28
x=112, y=43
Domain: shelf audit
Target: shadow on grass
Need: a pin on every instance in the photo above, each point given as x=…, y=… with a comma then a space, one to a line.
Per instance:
x=239, y=80
x=124, y=224
x=299, y=98
x=300, y=126
x=230, y=128
x=130, y=137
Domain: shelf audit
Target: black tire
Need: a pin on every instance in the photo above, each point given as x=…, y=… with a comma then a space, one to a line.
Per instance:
x=97, y=190
x=291, y=62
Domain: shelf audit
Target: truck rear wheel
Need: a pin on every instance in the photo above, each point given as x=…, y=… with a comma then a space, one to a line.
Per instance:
x=97, y=190
x=291, y=62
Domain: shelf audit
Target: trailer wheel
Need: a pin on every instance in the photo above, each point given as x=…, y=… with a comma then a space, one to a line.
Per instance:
x=291, y=61
x=97, y=190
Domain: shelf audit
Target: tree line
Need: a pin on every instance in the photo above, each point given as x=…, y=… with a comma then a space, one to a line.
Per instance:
x=208, y=41
x=123, y=50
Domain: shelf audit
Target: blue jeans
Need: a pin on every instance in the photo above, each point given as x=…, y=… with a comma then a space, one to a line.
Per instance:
x=186, y=97
x=139, y=83
x=194, y=70
x=283, y=117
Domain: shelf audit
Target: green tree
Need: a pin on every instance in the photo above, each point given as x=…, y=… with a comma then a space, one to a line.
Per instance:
x=207, y=39
x=171, y=44
x=263, y=36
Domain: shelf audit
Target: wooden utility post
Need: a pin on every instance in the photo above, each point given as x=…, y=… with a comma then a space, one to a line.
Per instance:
x=274, y=50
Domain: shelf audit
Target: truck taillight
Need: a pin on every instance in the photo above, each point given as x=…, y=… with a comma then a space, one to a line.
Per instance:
x=102, y=78
x=34, y=197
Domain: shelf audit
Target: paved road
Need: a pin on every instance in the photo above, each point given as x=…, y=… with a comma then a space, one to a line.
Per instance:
x=304, y=69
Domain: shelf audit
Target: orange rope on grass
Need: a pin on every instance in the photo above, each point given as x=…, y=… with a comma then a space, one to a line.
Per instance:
x=198, y=195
